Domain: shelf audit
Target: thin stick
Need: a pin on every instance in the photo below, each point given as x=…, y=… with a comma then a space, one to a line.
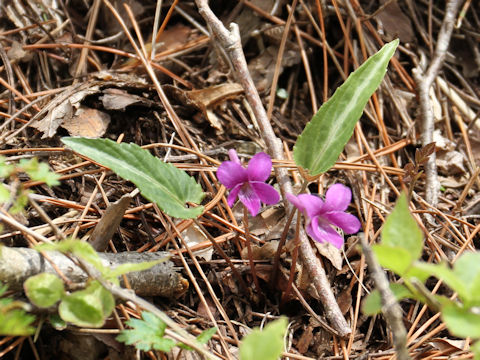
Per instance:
x=278, y=64
x=283, y=238
x=424, y=82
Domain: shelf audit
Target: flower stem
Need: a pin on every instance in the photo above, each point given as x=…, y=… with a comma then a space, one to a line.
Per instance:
x=249, y=250
x=294, y=260
x=283, y=238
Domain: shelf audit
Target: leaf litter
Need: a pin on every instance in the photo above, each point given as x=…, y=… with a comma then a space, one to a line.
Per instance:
x=42, y=58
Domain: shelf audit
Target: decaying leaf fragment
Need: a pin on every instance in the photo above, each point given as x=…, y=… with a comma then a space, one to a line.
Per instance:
x=63, y=108
x=87, y=122
x=109, y=223
x=205, y=100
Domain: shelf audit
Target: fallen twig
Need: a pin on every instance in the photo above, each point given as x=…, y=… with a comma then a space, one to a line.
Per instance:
x=230, y=41
x=18, y=264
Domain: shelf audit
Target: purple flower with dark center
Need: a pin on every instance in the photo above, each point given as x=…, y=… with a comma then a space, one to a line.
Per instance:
x=321, y=215
x=248, y=184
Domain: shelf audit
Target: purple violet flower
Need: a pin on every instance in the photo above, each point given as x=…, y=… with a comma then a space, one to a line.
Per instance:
x=321, y=215
x=248, y=184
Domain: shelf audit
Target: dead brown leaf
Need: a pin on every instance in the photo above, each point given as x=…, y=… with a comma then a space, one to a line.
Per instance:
x=305, y=340
x=87, y=122
x=117, y=99
x=109, y=223
x=331, y=253
x=16, y=53
x=396, y=23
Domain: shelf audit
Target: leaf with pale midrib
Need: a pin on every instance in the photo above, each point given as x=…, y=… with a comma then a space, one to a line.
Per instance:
x=324, y=137
x=170, y=188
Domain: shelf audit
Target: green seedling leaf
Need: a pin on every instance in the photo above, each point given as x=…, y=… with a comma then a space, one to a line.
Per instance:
x=16, y=322
x=324, y=137
x=417, y=273
x=170, y=188
x=20, y=202
x=4, y=194
x=401, y=230
x=57, y=322
x=373, y=302
x=461, y=321
x=206, y=335
x=39, y=171
x=202, y=338
x=146, y=334
x=5, y=169
x=267, y=344
x=3, y=288
x=89, y=307
x=44, y=290
x=394, y=258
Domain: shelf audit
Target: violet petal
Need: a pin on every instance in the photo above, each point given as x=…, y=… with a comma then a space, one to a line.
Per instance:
x=347, y=222
x=233, y=194
x=295, y=201
x=232, y=154
x=265, y=192
x=324, y=233
x=259, y=167
x=250, y=199
x=312, y=204
x=230, y=174
x=337, y=198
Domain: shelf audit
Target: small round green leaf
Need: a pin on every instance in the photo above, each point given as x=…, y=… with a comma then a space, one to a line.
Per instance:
x=44, y=290
x=89, y=307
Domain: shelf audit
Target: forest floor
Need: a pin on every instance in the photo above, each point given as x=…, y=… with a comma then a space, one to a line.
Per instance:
x=71, y=70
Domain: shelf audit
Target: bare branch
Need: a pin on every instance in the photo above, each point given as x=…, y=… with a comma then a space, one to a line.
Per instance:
x=424, y=82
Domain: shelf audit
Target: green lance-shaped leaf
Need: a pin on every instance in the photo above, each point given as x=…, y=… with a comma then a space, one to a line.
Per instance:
x=267, y=344
x=170, y=188
x=323, y=139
